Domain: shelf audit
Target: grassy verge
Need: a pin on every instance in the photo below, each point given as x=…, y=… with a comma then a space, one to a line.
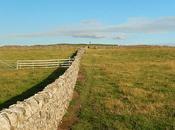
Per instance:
x=19, y=84
x=125, y=88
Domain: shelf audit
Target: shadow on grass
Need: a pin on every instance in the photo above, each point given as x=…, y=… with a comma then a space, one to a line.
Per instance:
x=36, y=88
x=74, y=54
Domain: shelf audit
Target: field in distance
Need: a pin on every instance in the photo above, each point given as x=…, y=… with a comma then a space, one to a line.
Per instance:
x=27, y=81
x=124, y=88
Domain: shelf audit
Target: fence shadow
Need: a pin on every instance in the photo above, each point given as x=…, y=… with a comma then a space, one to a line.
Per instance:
x=34, y=89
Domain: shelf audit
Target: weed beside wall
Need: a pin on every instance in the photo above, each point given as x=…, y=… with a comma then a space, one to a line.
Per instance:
x=44, y=110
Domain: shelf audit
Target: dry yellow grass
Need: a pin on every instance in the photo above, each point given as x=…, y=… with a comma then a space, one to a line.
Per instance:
x=127, y=88
x=15, y=82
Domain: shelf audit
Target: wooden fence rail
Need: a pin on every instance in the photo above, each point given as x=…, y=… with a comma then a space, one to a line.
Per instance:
x=21, y=64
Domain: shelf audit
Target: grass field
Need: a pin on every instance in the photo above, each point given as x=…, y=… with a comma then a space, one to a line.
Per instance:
x=19, y=84
x=124, y=88
x=118, y=88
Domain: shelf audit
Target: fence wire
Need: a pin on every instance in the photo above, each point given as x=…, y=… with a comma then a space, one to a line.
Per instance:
x=7, y=64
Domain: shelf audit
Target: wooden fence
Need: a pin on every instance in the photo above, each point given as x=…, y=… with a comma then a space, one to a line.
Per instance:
x=22, y=64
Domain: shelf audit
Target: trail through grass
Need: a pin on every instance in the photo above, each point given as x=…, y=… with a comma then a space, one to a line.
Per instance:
x=126, y=88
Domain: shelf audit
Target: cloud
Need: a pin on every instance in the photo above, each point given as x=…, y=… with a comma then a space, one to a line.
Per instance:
x=120, y=37
x=88, y=35
x=143, y=25
x=91, y=22
x=93, y=29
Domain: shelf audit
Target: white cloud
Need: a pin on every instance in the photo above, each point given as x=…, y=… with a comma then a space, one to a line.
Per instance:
x=88, y=35
x=138, y=25
x=95, y=30
x=91, y=22
x=120, y=36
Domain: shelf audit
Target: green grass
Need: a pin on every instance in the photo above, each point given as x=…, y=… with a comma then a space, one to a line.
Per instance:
x=126, y=88
x=118, y=88
x=19, y=84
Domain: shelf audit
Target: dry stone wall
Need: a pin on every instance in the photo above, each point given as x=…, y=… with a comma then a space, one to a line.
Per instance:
x=44, y=110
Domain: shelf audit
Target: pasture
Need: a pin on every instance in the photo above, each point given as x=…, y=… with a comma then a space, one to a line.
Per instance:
x=118, y=87
x=19, y=84
x=124, y=88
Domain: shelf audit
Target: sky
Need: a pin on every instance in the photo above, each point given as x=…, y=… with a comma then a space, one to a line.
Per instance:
x=125, y=22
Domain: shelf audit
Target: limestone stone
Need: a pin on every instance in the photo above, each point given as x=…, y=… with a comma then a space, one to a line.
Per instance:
x=44, y=110
x=4, y=123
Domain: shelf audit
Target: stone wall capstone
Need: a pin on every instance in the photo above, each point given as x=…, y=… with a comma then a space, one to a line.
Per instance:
x=44, y=110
